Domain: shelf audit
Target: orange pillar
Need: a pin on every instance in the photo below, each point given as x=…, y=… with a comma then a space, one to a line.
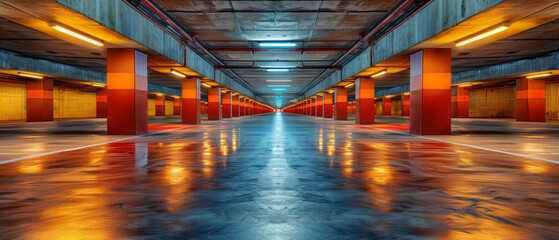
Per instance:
x=340, y=96
x=176, y=106
x=460, y=105
x=319, y=106
x=39, y=100
x=327, y=105
x=241, y=106
x=430, y=92
x=387, y=108
x=365, y=101
x=214, y=103
x=159, y=105
x=530, y=100
x=127, y=96
x=313, y=106
x=226, y=106
x=405, y=104
x=191, y=113
x=235, y=106
x=102, y=102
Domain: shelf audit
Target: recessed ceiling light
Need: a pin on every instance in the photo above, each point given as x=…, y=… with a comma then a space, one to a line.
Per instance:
x=277, y=70
x=277, y=44
x=279, y=86
x=278, y=80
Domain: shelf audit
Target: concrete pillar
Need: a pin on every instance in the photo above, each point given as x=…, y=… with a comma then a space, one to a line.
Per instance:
x=159, y=105
x=365, y=101
x=127, y=96
x=327, y=105
x=530, y=100
x=387, y=107
x=405, y=104
x=340, y=96
x=214, y=103
x=241, y=106
x=319, y=107
x=309, y=113
x=247, y=107
x=176, y=106
x=191, y=109
x=235, y=105
x=39, y=100
x=101, y=102
x=430, y=92
x=313, y=106
x=226, y=106
x=460, y=103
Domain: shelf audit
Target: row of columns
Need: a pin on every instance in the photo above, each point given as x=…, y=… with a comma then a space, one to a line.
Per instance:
x=431, y=102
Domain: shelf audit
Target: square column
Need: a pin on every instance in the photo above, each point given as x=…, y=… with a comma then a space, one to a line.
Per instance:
x=176, y=106
x=235, y=106
x=39, y=100
x=340, y=96
x=530, y=100
x=319, y=107
x=327, y=99
x=308, y=102
x=101, y=101
x=127, y=96
x=313, y=106
x=405, y=104
x=460, y=102
x=226, y=106
x=214, y=103
x=241, y=106
x=191, y=109
x=159, y=105
x=247, y=107
x=430, y=92
x=365, y=101
x=387, y=107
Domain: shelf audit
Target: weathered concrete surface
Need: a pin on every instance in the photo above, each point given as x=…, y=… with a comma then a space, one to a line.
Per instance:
x=334, y=78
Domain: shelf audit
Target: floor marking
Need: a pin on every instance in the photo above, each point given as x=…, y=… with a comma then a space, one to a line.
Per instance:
x=90, y=145
x=472, y=146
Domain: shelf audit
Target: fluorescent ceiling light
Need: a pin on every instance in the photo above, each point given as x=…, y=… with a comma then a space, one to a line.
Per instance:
x=279, y=86
x=540, y=75
x=279, y=89
x=379, y=74
x=76, y=34
x=173, y=71
x=279, y=66
x=278, y=80
x=278, y=70
x=482, y=35
x=277, y=44
x=29, y=75
x=206, y=85
x=349, y=85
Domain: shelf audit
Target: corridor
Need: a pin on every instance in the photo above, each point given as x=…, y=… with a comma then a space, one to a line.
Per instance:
x=281, y=176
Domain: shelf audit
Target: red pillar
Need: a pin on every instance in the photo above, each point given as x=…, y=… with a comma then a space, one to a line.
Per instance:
x=127, y=96
x=365, y=101
x=247, y=107
x=235, y=105
x=387, y=108
x=241, y=106
x=340, y=95
x=405, y=104
x=214, y=103
x=530, y=100
x=313, y=106
x=226, y=106
x=39, y=100
x=191, y=113
x=102, y=102
x=460, y=105
x=327, y=105
x=430, y=92
x=319, y=107
x=308, y=103
x=176, y=106
x=159, y=105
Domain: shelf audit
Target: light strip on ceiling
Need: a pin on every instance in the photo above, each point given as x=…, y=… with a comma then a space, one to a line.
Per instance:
x=206, y=85
x=379, y=74
x=278, y=80
x=277, y=70
x=349, y=85
x=482, y=35
x=277, y=44
x=76, y=34
x=540, y=75
x=29, y=75
x=281, y=86
x=173, y=71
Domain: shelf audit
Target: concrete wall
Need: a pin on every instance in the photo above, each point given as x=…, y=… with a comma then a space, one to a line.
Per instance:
x=13, y=101
x=73, y=103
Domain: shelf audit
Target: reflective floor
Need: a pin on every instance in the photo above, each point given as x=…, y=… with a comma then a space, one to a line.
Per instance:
x=280, y=176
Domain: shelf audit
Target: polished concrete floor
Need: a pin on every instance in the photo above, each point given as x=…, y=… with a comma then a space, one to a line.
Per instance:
x=279, y=176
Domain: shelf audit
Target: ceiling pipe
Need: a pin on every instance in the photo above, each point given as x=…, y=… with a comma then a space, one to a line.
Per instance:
x=278, y=49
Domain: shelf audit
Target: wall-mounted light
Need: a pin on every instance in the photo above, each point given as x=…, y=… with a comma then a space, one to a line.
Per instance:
x=175, y=72
x=379, y=74
x=74, y=33
x=30, y=75
x=277, y=44
x=206, y=85
x=483, y=35
x=540, y=75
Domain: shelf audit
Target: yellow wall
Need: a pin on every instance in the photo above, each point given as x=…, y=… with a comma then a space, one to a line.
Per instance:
x=151, y=107
x=493, y=103
x=379, y=107
x=13, y=101
x=552, y=101
x=73, y=103
x=169, y=107
x=397, y=107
